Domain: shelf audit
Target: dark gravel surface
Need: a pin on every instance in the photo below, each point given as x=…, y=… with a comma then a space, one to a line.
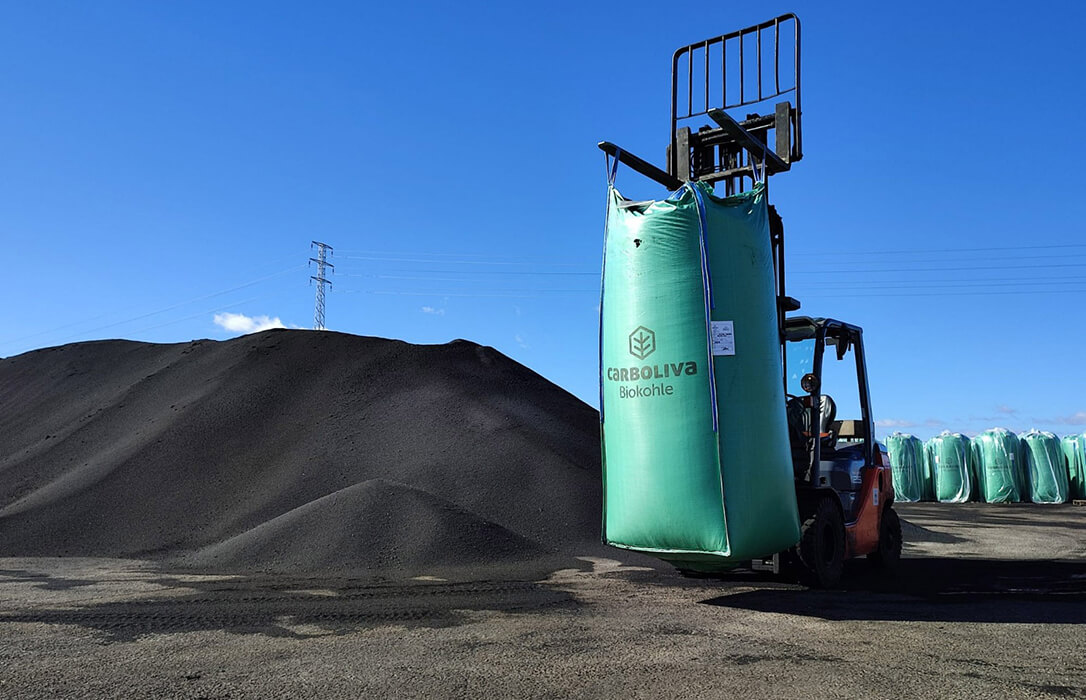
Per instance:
x=979, y=609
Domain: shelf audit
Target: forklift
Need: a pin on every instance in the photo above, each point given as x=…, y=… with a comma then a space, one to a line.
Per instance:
x=844, y=488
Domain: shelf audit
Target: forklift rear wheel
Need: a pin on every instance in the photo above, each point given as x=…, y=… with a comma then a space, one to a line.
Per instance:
x=821, y=546
x=888, y=555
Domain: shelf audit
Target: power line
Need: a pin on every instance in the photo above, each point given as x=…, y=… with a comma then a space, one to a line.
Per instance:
x=933, y=269
x=460, y=272
x=858, y=289
x=947, y=250
x=540, y=293
x=468, y=275
x=155, y=312
x=413, y=254
x=53, y=330
x=430, y=279
x=921, y=268
x=877, y=285
x=199, y=315
x=484, y=259
x=982, y=280
x=913, y=266
x=526, y=261
x=865, y=295
x=971, y=258
x=522, y=294
x=999, y=279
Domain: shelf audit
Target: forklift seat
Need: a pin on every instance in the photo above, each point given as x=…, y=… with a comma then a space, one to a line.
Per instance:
x=799, y=418
x=827, y=414
x=827, y=422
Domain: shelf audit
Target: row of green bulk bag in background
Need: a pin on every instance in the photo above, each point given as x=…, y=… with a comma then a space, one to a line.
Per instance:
x=950, y=458
x=1045, y=466
x=1074, y=452
x=994, y=467
x=907, y=465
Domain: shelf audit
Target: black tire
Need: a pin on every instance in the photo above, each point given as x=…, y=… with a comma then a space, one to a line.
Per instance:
x=821, y=548
x=888, y=555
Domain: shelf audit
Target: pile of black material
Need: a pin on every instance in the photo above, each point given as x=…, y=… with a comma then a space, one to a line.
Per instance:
x=295, y=451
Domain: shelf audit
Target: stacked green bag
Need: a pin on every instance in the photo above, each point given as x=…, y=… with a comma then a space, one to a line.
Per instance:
x=951, y=463
x=696, y=461
x=906, y=454
x=1019, y=470
x=928, y=476
x=1048, y=477
x=998, y=456
x=1074, y=452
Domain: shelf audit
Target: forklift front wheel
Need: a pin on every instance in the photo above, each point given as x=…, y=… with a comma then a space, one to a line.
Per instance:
x=888, y=555
x=821, y=546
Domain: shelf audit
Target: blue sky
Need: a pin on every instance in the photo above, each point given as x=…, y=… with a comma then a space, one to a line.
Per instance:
x=164, y=163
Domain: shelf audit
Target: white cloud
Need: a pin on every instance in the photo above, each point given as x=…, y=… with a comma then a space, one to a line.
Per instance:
x=520, y=341
x=1006, y=410
x=894, y=423
x=1078, y=418
x=433, y=311
x=240, y=323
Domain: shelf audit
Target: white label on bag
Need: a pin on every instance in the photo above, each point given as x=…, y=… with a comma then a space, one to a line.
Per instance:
x=723, y=337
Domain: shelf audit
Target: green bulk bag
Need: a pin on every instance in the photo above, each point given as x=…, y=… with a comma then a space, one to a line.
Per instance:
x=1074, y=452
x=696, y=460
x=952, y=468
x=998, y=455
x=1070, y=460
x=928, y=476
x=1022, y=472
x=1048, y=477
x=906, y=454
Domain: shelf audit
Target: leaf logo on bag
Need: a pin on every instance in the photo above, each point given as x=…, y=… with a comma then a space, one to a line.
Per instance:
x=642, y=342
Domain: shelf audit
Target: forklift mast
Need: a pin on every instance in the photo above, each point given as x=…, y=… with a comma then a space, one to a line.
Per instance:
x=735, y=71
x=754, y=71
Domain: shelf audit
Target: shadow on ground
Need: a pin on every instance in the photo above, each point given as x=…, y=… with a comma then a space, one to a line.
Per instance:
x=936, y=590
x=43, y=581
x=298, y=608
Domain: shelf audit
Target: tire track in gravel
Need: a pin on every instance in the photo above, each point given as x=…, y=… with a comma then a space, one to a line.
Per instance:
x=280, y=612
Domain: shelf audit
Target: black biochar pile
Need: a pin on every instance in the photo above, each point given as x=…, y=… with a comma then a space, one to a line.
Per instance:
x=297, y=451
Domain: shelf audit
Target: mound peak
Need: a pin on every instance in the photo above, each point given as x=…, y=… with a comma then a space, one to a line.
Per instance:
x=377, y=526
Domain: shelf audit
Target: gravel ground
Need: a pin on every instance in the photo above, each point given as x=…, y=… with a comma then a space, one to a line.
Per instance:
x=990, y=602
